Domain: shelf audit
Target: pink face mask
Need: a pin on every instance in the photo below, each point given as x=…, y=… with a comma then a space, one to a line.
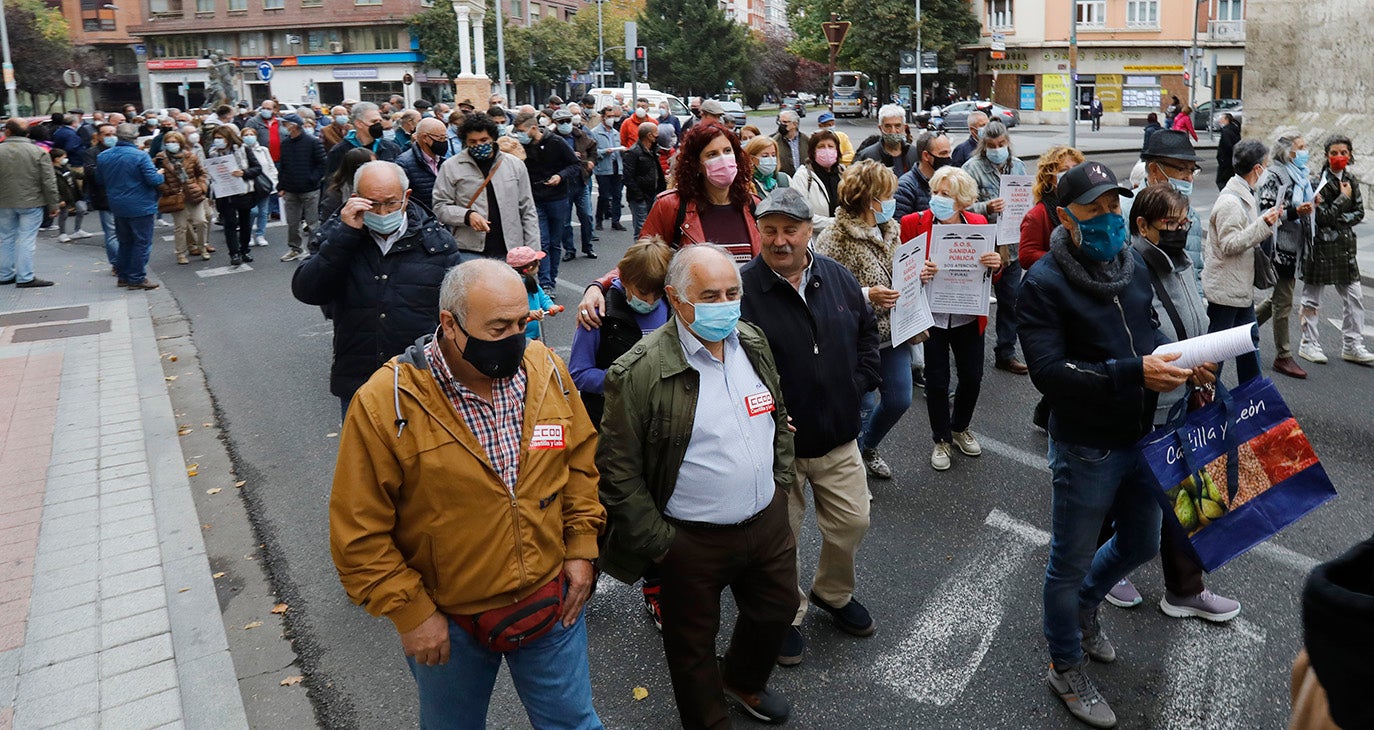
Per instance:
x=721, y=170
x=827, y=156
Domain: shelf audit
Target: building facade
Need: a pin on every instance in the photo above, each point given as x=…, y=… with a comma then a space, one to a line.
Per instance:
x=750, y=13
x=105, y=27
x=1133, y=55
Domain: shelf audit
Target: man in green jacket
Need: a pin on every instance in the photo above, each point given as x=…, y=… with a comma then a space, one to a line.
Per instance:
x=696, y=459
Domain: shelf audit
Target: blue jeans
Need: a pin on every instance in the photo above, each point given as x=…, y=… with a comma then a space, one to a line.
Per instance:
x=1221, y=317
x=550, y=674
x=1088, y=483
x=639, y=212
x=107, y=224
x=260, y=213
x=1008, y=288
x=608, y=198
x=882, y=407
x=553, y=217
x=135, y=244
x=18, y=239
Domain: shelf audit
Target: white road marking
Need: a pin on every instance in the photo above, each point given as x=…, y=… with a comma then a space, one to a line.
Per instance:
x=1206, y=663
x=1282, y=555
x=954, y=629
x=1368, y=329
x=222, y=270
x=1034, y=461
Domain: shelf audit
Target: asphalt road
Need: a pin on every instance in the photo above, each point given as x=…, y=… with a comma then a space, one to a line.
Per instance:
x=951, y=569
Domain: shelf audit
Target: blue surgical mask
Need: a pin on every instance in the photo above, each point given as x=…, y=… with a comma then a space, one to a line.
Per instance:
x=889, y=210
x=767, y=166
x=523, y=137
x=1101, y=237
x=998, y=155
x=218, y=144
x=341, y=119
x=565, y=128
x=1301, y=157
x=250, y=141
x=640, y=306
x=715, y=320
x=384, y=223
x=481, y=151
x=942, y=206
x=172, y=147
x=502, y=130
x=1183, y=186
x=265, y=113
x=110, y=141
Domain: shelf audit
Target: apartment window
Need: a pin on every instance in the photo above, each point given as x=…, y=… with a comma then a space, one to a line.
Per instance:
x=1142, y=14
x=517, y=8
x=372, y=39
x=999, y=14
x=1092, y=13
x=1230, y=10
x=252, y=44
x=164, y=7
x=367, y=2
x=177, y=46
x=312, y=3
x=534, y=13
x=238, y=6
x=318, y=41
x=273, y=4
x=205, y=6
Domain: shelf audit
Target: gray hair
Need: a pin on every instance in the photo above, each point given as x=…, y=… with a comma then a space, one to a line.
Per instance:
x=360, y=110
x=646, y=129
x=453, y=292
x=788, y=115
x=1247, y=154
x=889, y=111
x=395, y=168
x=680, y=268
x=994, y=130
x=69, y=119
x=974, y=116
x=127, y=131
x=1282, y=151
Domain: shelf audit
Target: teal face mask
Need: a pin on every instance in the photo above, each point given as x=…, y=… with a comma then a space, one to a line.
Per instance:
x=639, y=305
x=999, y=155
x=1101, y=237
x=715, y=320
x=1183, y=186
x=384, y=223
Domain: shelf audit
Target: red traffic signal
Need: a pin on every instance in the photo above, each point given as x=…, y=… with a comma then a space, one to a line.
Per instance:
x=641, y=53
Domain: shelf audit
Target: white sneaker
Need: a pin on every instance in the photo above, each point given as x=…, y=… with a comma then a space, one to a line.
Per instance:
x=293, y=256
x=939, y=456
x=163, y=222
x=967, y=443
x=1312, y=352
x=1357, y=354
x=82, y=234
x=260, y=241
x=47, y=228
x=64, y=238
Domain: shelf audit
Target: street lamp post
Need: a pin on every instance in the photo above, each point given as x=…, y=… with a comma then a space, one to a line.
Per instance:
x=501, y=52
x=11, y=88
x=1073, y=76
x=600, y=47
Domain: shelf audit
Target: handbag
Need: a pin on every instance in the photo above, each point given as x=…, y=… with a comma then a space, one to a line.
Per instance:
x=508, y=628
x=1233, y=473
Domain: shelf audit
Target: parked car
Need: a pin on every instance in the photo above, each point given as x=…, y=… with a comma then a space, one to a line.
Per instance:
x=1205, y=113
x=793, y=103
x=956, y=115
x=604, y=96
x=736, y=112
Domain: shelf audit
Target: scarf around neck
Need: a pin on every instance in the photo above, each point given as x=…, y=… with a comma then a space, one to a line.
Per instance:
x=1100, y=280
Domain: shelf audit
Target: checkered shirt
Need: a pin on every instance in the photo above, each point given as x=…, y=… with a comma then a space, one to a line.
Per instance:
x=496, y=424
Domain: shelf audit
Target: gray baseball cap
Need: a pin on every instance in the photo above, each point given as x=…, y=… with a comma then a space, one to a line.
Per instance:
x=784, y=201
x=712, y=107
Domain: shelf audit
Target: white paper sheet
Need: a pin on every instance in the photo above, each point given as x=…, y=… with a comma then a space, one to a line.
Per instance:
x=1213, y=347
x=911, y=316
x=1016, y=193
x=222, y=181
x=962, y=285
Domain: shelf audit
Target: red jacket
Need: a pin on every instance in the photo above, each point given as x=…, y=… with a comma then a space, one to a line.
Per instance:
x=664, y=214
x=629, y=130
x=1184, y=123
x=1036, y=228
x=915, y=224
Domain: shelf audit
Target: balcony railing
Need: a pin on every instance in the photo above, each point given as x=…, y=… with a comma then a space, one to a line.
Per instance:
x=1226, y=30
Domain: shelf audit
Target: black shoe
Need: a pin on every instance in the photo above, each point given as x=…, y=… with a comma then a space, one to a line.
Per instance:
x=33, y=283
x=617, y=227
x=247, y=259
x=918, y=379
x=598, y=226
x=764, y=705
x=589, y=254
x=596, y=237
x=569, y=255
x=234, y=260
x=6, y=282
x=793, y=647
x=852, y=617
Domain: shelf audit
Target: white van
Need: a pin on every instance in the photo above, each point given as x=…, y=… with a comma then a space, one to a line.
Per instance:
x=606, y=95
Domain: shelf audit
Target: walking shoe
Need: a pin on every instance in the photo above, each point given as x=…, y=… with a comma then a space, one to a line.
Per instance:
x=652, y=605
x=81, y=234
x=293, y=256
x=246, y=258
x=852, y=617
x=617, y=227
x=1095, y=641
x=1080, y=695
x=163, y=222
x=598, y=226
x=260, y=241
x=1287, y=366
x=6, y=282
x=34, y=283
x=205, y=256
x=120, y=284
x=589, y=254
x=64, y=238
x=551, y=292
x=181, y=259
x=967, y=443
x=234, y=260
x=764, y=705
x=569, y=256
x=1357, y=354
x=1014, y=366
x=209, y=248
x=875, y=464
x=1124, y=594
x=1312, y=352
x=48, y=228
x=1205, y=605
x=918, y=378
x=793, y=647
x=939, y=456
x=144, y=285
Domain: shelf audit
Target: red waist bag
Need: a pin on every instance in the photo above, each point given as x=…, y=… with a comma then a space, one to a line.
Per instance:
x=507, y=629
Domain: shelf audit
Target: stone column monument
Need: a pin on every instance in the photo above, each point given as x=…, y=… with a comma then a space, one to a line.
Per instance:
x=472, y=82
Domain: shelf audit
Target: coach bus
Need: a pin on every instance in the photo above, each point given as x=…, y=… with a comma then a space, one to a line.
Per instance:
x=850, y=95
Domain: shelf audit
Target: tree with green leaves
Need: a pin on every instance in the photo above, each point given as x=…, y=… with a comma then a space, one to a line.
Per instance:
x=693, y=46
x=40, y=47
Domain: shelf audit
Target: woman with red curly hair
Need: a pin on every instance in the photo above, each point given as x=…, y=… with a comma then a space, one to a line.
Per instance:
x=711, y=203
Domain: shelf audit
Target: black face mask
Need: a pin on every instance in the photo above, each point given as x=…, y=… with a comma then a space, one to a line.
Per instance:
x=375, y=131
x=495, y=358
x=1173, y=240
x=938, y=162
x=439, y=147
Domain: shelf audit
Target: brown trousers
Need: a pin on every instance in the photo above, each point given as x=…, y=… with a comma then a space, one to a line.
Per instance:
x=1182, y=577
x=758, y=563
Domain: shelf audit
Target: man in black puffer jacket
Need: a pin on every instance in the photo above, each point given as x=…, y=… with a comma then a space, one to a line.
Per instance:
x=378, y=271
x=553, y=169
x=298, y=179
x=428, y=150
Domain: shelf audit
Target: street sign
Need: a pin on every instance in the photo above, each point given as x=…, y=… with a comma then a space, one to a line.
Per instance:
x=999, y=42
x=906, y=62
x=835, y=32
x=265, y=71
x=407, y=79
x=930, y=62
x=140, y=49
x=71, y=77
x=9, y=77
x=631, y=39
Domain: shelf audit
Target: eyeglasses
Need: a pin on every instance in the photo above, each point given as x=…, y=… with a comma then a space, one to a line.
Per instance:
x=1190, y=171
x=1174, y=224
x=386, y=206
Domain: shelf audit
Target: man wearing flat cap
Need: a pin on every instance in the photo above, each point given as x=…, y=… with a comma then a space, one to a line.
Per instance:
x=1170, y=159
x=825, y=341
x=298, y=179
x=1087, y=325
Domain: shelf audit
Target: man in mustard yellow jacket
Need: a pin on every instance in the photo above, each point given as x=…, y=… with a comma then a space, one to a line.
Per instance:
x=465, y=509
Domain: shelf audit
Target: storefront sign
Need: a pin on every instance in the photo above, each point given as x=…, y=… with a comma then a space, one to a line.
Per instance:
x=355, y=73
x=1109, y=91
x=172, y=64
x=1174, y=69
x=1055, y=92
x=1028, y=97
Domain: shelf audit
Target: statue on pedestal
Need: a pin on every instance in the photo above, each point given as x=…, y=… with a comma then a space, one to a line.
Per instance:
x=220, y=88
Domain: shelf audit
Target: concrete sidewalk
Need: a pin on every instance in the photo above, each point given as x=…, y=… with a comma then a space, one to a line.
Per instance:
x=108, y=613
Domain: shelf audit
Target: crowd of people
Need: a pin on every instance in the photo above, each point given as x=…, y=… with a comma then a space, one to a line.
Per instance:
x=740, y=351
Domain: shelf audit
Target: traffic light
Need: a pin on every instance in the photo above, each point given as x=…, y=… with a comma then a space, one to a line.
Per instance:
x=641, y=62
x=1187, y=78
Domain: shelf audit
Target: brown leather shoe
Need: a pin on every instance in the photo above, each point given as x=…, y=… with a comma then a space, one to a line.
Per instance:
x=145, y=284
x=1289, y=367
x=1013, y=366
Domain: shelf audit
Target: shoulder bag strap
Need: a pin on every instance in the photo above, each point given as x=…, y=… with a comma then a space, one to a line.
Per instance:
x=1168, y=303
x=678, y=220
x=486, y=181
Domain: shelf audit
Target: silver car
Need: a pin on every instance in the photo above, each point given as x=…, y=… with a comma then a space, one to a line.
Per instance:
x=956, y=115
x=736, y=112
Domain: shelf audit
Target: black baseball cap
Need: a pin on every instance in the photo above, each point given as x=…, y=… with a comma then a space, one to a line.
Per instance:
x=1087, y=182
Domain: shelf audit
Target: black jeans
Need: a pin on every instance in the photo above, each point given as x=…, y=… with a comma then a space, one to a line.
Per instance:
x=1222, y=317
x=965, y=342
x=238, y=225
x=608, y=189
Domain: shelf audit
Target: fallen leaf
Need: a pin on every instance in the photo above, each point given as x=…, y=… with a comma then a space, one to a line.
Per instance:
x=173, y=358
x=216, y=490
x=184, y=430
x=170, y=378
x=640, y=693
x=205, y=526
x=279, y=608
x=332, y=434
x=239, y=484
x=218, y=575
x=252, y=625
x=207, y=425
x=183, y=590
x=192, y=469
x=292, y=681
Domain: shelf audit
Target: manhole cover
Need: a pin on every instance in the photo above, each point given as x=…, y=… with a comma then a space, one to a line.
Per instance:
x=58, y=331
x=35, y=316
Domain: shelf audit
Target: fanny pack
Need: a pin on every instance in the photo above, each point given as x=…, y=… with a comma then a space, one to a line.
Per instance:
x=506, y=629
